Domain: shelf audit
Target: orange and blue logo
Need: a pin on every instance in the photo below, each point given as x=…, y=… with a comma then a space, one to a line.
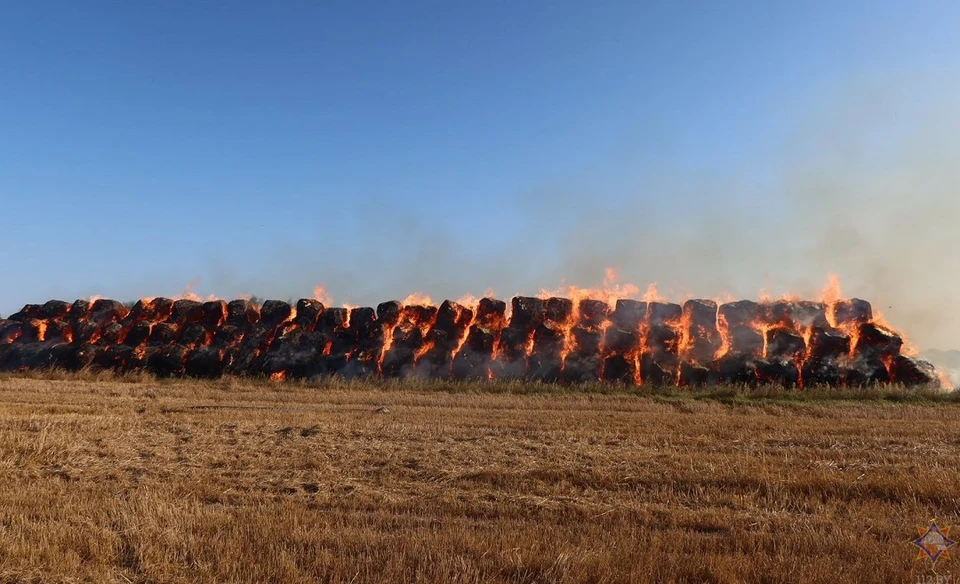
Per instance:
x=933, y=542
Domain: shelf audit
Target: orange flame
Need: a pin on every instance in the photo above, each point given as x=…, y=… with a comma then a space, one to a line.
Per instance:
x=611, y=291
x=652, y=295
x=321, y=295
x=417, y=299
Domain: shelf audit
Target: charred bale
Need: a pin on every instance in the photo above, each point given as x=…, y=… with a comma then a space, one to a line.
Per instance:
x=912, y=372
x=227, y=335
x=156, y=309
x=388, y=313
x=582, y=368
x=545, y=363
x=140, y=358
x=343, y=341
x=784, y=344
x=664, y=313
x=514, y=343
x=138, y=334
x=828, y=343
x=511, y=361
x=480, y=341
x=700, y=317
x=308, y=312
x=85, y=331
x=420, y=316
x=628, y=314
x=60, y=331
x=693, y=374
x=866, y=370
x=213, y=314
x=796, y=315
x=33, y=331
x=333, y=319
x=473, y=359
x=36, y=356
x=435, y=361
x=548, y=339
x=362, y=364
x=183, y=311
x=745, y=340
x=735, y=368
x=400, y=360
x=652, y=373
x=113, y=358
x=739, y=313
x=162, y=334
x=806, y=314
x=273, y=312
x=491, y=313
x=508, y=368
x=247, y=356
x=287, y=334
x=57, y=330
x=84, y=355
x=593, y=313
x=366, y=329
x=204, y=362
x=110, y=333
x=79, y=310
x=10, y=331
x=777, y=371
x=168, y=361
x=297, y=353
x=874, y=341
x=663, y=341
x=618, y=341
x=9, y=357
x=619, y=368
x=64, y=356
x=779, y=313
x=558, y=310
x=852, y=312
x=27, y=313
x=104, y=311
x=333, y=365
x=142, y=309
x=193, y=335
x=586, y=341
x=822, y=371
x=54, y=309
x=242, y=313
x=468, y=365
x=527, y=312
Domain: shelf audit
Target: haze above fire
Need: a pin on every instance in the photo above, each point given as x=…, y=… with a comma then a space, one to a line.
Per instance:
x=718, y=153
x=863, y=188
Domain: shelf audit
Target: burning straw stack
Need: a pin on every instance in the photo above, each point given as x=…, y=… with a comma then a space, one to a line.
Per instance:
x=792, y=343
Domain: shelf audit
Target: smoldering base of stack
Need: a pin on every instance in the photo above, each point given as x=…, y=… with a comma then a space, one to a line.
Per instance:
x=794, y=344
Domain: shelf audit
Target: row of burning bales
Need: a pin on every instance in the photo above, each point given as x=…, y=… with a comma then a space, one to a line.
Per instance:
x=793, y=343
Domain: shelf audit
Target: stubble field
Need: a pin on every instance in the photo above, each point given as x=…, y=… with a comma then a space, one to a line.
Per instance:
x=135, y=480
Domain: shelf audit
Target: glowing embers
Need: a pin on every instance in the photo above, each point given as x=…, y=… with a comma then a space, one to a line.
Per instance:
x=834, y=341
x=481, y=344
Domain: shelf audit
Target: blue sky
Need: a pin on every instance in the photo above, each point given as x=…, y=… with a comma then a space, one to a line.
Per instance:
x=265, y=147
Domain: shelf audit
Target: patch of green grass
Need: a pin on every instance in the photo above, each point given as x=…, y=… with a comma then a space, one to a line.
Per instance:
x=730, y=394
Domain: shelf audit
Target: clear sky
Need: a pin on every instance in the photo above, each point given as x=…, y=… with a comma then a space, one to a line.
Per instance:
x=382, y=148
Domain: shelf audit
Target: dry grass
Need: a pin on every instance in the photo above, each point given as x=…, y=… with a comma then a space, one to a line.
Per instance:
x=104, y=480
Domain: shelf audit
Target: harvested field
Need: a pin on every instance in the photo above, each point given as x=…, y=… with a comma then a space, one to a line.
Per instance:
x=108, y=479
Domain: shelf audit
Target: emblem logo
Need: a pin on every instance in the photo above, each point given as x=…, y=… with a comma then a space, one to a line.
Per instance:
x=933, y=542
